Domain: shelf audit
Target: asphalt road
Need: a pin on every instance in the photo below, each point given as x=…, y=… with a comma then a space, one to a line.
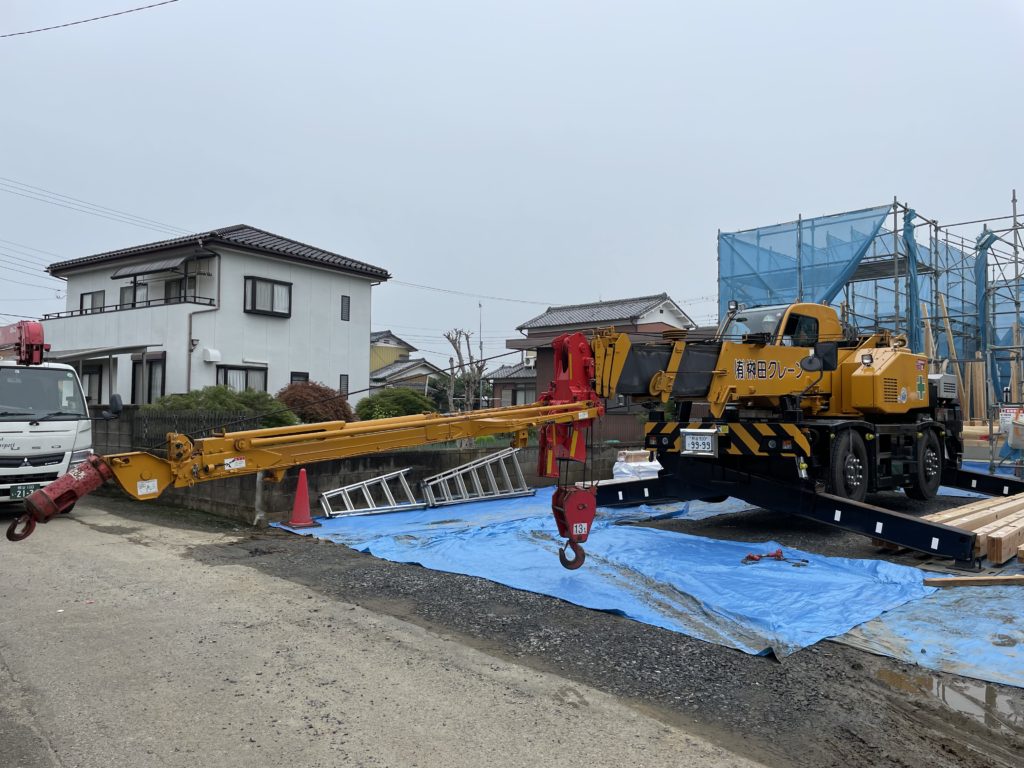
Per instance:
x=120, y=648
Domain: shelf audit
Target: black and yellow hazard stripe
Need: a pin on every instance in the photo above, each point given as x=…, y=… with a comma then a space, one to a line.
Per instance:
x=662, y=435
x=759, y=438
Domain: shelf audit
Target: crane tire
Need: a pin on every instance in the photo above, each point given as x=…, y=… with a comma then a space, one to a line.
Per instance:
x=849, y=471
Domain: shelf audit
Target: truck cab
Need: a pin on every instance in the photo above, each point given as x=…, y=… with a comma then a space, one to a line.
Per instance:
x=45, y=428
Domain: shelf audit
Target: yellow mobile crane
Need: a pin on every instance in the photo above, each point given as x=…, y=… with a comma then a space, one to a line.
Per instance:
x=785, y=407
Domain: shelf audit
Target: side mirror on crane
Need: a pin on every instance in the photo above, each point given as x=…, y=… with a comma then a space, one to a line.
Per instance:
x=824, y=358
x=115, y=408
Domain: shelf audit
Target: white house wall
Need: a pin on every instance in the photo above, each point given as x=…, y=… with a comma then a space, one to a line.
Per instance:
x=314, y=339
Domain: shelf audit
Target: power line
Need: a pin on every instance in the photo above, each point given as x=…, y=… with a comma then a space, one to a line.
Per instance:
x=63, y=201
x=471, y=295
x=86, y=21
x=37, y=250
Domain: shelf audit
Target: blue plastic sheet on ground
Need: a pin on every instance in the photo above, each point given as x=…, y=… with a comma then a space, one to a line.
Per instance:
x=976, y=632
x=688, y=584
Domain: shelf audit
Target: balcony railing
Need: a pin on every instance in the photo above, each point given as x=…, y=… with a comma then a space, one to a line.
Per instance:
x=132, y=305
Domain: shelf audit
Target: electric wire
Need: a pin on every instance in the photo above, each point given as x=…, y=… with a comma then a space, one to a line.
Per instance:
x=86, y=21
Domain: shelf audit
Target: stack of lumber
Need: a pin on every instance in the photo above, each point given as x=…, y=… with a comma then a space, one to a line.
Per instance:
x=998, y=524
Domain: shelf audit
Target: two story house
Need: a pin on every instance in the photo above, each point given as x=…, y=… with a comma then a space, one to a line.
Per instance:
x=237, y=306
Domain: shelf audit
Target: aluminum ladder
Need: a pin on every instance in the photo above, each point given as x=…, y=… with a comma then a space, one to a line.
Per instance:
x=387, y=493
x=497, y=476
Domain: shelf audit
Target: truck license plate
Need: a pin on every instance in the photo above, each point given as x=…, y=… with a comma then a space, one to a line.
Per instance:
x=23, y=491
x=699, y=443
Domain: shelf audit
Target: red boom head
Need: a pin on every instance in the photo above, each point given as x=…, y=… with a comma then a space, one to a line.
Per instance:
x=573, y=383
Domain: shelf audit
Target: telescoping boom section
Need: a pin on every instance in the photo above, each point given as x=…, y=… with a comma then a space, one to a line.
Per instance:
x=562, y=415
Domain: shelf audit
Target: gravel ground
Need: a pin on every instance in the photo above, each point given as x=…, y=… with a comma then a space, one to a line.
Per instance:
x=828, y=705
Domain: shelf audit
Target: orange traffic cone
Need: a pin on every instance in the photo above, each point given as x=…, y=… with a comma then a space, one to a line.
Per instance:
x=300, y=509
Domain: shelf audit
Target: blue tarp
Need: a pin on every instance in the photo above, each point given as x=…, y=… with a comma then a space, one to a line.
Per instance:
x=688, y=584
x=977, y=632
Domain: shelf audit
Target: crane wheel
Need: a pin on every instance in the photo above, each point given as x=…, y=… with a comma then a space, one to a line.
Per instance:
x=578, y=556
x=29, y=523
x=928, y=477
x=849, y=471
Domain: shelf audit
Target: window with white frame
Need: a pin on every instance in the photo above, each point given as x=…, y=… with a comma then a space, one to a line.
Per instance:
x=240, y=378
x=268, y=297
x=346, y=307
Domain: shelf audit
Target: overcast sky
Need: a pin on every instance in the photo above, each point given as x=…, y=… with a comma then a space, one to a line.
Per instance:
x=546, y=151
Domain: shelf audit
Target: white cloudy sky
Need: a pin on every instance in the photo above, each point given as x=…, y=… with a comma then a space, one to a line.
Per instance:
x=554, y=151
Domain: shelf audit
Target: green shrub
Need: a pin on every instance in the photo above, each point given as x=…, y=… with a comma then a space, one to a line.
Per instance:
x=224, y=400
x=388, y=403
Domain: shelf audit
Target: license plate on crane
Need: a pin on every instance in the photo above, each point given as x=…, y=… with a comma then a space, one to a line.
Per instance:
x=699, y=442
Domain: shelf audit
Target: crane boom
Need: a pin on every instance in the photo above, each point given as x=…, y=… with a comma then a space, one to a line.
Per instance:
x=563, y=414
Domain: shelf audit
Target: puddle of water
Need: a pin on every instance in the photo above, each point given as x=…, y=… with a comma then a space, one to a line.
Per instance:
x=983, y=702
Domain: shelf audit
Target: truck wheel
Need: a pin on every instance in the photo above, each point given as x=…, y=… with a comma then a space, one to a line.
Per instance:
x=848, y=467
x=928, y=477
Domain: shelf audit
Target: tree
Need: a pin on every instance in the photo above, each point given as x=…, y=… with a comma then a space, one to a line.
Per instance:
x=439, y=388
x=397, y=401
x=469, y=369
x=312, y=401
x=271, y=412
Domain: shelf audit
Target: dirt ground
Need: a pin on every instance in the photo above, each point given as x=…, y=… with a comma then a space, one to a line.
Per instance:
x=828, y=705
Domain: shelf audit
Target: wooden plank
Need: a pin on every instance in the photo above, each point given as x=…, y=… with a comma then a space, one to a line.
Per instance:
x=977, y=581
x=1020, y=553
x=1009, y=511
x=996, y=526
x=991, y=503
x=1002, y=545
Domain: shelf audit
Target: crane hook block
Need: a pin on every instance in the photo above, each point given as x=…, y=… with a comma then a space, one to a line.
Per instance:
x=61, y=494
x=574, y=509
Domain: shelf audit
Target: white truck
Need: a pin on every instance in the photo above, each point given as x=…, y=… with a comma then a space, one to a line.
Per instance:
x=45, y=428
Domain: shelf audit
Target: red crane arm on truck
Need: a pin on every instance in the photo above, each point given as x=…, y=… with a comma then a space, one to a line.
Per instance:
x=25, y=340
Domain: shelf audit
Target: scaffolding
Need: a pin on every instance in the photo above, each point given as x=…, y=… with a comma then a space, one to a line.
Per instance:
x=953, y=289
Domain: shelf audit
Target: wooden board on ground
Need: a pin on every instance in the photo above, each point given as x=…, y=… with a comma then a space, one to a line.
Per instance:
x=976, y=581
x=1012, y=522
x=1002, y=545
x=998, y=506
x=1020, y=553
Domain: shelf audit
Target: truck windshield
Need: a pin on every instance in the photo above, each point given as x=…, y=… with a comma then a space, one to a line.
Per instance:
x=33, y=393
x=760, y=320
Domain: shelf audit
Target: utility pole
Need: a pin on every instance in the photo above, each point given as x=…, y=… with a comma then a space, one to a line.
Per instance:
x=480, y=307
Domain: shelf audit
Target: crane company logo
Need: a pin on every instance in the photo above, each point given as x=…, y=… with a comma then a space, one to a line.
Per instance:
x=765, y=370
x=6, y=445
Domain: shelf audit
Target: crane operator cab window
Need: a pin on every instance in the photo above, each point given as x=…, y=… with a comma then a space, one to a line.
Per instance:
x=760, y=323
x=800, y=331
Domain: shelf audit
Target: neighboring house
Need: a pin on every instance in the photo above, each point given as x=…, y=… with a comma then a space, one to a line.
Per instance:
x=410, y=373
x=514, y=384
x=644, y=318
x=237, y=306
x=386, y=348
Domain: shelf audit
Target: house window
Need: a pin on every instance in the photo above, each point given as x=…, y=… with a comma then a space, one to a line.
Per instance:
x=92, y=382
x=240, y=379
x=92, y=302
x=268, y=297
x=343, y=384
x=179, y=290
x=140, y=296
x=346, y=307
x=155, y=377
x=302, y=376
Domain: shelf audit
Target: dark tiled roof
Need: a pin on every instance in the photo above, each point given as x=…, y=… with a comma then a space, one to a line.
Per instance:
x=399, y=366
x=598, y=312
x=517, y=371
x=376, y=336
x=239, y=236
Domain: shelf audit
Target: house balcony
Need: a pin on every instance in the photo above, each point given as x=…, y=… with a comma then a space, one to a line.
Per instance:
x=121, y=307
